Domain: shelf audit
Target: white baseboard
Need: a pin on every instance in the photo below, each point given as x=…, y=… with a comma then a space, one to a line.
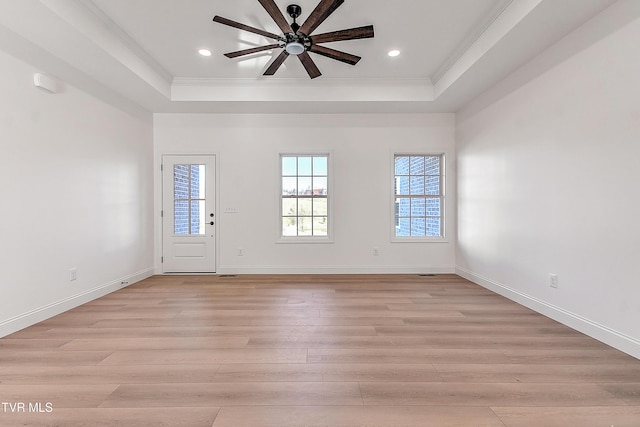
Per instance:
x=588, y=327
x=32, y=317
x=332, y=269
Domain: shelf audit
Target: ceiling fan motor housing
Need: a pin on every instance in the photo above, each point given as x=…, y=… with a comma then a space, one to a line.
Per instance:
x=294, y=10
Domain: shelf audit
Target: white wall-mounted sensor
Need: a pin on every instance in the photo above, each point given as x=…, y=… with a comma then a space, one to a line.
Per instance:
x=48, y=83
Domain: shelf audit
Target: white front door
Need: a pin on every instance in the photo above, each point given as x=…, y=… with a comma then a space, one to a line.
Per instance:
x=189, y=214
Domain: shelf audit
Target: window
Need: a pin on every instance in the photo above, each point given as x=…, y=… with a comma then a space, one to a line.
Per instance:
x=305, y=196
x=189, y=199
x=418, y=196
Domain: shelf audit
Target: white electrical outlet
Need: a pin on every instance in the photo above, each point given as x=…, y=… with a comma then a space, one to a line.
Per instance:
x=240, y=252
x=73, y=274
x=553, y=280
x=376, y=251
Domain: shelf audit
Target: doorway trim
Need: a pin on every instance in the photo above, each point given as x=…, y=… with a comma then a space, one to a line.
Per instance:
x=159, y=198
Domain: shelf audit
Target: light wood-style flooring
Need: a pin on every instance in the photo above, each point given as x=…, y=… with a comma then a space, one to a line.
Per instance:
x=303, y=350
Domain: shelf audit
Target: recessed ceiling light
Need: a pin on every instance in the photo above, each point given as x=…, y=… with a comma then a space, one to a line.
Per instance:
x=393, y=53
x=204, y=52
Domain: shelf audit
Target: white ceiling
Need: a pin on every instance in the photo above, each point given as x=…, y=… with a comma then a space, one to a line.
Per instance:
x=145, y=51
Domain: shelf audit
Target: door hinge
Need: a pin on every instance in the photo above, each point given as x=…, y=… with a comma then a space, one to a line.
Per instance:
x=161, y=214
x=161, y=168
x=161, y=260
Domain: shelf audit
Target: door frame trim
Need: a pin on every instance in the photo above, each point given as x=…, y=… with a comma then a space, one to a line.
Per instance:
x=158, y=220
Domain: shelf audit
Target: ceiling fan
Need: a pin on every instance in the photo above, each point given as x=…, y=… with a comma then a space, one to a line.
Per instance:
x=297, y=39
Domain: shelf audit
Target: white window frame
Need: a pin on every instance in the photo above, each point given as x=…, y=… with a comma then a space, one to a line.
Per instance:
x=330, y=216
x=419, y=239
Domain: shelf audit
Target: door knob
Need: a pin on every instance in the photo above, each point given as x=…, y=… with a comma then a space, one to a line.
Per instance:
x=211, y=223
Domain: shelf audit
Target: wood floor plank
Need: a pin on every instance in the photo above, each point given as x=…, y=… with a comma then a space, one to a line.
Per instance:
x=356, y=416
x=109, y=374
x=332, y=372
x=474, y=330
x=338, y=342
x=404, y=355
x=629, y=392
x=211, y=356
x=616, y=416
x=235, y=320
x=174, y=343
x=313, y=350
x=486, y=394
x=359, y=312
x=570, y=356
x=235, y=394
x=51, y=358
x=540, y=373
x=116, y=417
x=31, y=344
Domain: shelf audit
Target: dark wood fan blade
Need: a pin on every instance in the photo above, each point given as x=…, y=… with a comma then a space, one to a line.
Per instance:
x=309, y=65
x=272, y=9
x=234, y=24
x=319, y=14
x=335, y=54
x=276, y=63
x=250, y=51
x=350, y=34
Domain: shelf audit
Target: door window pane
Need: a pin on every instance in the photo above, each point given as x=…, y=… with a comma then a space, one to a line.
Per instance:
x=197, y=181
x=189, y=199
x=181, y=182
x=181, y=217
x=197, y=217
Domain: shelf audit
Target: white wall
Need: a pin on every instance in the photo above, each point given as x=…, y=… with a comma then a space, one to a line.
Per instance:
x=361, y=146
x=548, y=182
x=77, y=192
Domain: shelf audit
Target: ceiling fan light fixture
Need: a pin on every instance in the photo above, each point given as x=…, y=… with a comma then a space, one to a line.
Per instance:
x=294, y=48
